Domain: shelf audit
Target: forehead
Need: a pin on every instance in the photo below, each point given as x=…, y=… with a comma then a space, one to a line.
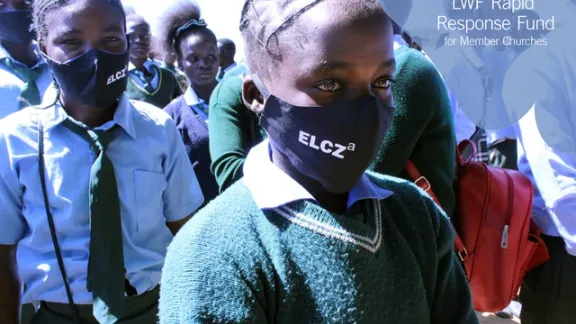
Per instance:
x=86, y=14
x=198, y=43
x=327, y=33
x=137, y=26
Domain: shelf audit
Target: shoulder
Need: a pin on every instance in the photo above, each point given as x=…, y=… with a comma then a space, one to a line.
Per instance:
x=214, y=232
x=412, y=67
x=23, y=124
x=228, y=92
x=408, y=203
x=175, y=106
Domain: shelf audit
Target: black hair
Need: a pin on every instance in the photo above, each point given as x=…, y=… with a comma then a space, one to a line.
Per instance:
x=179, y=14
x=228, y=46
x=41, y=10
x=262, y=21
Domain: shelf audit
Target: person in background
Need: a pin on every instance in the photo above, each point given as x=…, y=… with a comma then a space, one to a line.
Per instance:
x=93, y=187
x=147, y=82
x=24, y=77
x=169, y=62
x=542, y=80
x=181, y=31
x=226, y=52
x=307, y=236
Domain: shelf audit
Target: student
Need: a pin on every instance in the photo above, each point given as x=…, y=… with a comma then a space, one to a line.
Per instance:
x=421, y=130
x=114, y=179
x=233, y=131
x=226, y=52
x=307, y=236
x=24, y=76
x=547, y=155
x=147, y=81
x=181, y=31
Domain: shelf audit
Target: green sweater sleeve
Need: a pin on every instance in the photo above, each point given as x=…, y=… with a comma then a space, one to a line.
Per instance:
x=231, y=131
x=452, y=300
x=201, y=284
x=422, y=129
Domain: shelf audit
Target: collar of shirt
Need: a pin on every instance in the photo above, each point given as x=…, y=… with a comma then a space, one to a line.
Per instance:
x=147, y=65
x=4, y=54
x=230, y=67
x=272, y=188
x=399, y=42
x=191, y=97
x=123, y=117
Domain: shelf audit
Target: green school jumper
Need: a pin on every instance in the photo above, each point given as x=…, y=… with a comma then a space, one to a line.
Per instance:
x=168, y=89
x=422, y=128
x=384, y=261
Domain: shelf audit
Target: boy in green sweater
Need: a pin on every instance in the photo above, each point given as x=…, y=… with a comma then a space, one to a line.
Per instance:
x=307, y=236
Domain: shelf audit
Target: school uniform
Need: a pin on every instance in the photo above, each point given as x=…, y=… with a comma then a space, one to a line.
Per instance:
x=276, y=256
x=190, y=114
x=155, y=183
x=224, y=72
x=547, y=156
x=181, y=77
x=157, y=86
x=18, y=80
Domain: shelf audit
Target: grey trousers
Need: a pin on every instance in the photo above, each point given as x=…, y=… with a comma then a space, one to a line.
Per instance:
x=548, y=293
x=141, y=309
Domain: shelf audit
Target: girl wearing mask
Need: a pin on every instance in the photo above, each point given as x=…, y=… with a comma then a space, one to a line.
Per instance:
x=93, y=187
x=181, y=31
x=307, y=236
x=24, y=77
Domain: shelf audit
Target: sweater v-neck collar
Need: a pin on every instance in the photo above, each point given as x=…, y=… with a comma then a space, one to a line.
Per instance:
x=347, y=227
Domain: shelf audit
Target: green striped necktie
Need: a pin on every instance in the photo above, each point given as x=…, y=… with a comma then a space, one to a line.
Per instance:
x=29, y=93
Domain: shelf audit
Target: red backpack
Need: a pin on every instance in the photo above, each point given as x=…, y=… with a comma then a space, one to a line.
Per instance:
x=495, y=239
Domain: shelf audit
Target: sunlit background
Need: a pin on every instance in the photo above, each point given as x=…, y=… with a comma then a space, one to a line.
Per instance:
x=222, y=16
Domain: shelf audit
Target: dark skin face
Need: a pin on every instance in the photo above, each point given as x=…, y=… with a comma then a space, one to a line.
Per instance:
x=76, y=29
x=226, y=58
x=140, y=41
x=21, y=52
x=330, y=57
x=198, y=59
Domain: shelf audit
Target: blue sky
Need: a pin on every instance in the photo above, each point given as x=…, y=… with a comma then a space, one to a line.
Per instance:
x=224, y=23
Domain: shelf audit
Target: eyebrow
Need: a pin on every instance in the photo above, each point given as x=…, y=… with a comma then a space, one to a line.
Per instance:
x=329, y=66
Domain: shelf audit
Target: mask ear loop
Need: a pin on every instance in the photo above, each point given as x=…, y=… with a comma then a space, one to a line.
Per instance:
x=260, y=86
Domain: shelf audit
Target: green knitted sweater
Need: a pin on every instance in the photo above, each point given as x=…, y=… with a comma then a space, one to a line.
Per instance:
x=168, y=89
x=422, y=128
x=387, y=261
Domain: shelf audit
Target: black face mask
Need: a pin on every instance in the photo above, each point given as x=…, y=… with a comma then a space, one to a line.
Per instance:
x=95, y=78
x=15, y=26
x=332, y=144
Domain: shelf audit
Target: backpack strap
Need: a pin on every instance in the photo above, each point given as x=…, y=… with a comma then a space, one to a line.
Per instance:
x=424, y=184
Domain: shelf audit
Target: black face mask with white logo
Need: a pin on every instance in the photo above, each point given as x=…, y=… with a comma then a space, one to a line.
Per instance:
x=332, y=144
x=95, y=78
x=15, y=26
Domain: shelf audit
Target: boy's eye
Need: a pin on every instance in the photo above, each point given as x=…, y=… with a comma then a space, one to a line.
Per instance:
x=328, y=86
x=28, y=2
x=383, y=83
x=111, y=39
x=70, y=42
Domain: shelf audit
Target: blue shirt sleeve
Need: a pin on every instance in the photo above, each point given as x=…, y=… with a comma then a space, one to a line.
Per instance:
x=12, y=223
x=183, y=195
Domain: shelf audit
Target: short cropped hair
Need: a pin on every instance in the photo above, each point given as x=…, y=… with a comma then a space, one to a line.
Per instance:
x=264, y=20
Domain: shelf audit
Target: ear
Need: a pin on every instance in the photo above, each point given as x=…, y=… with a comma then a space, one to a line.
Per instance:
x=251, y=96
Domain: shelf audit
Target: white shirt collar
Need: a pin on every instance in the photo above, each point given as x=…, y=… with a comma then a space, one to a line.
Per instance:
x=4, y=53
x=272, y=188
x=191, y=98
x=399, y=42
